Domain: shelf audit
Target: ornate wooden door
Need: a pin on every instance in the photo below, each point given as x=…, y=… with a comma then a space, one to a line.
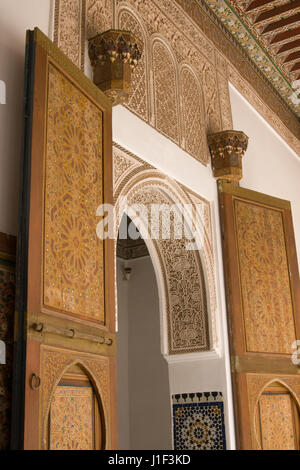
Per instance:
x=64, y=381
x=263, y=299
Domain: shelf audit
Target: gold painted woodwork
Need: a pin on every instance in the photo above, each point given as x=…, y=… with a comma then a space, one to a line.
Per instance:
x=88, y=430
x=70, y=337
x=114, y=56
x=57, y=330
x=255, y=386
x=73, y=277
x=225, y=187
x=270, y=256
x=227, y=149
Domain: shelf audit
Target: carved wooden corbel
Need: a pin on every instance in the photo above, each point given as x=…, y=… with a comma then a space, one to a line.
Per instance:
x=227, y=149
x=114, y=56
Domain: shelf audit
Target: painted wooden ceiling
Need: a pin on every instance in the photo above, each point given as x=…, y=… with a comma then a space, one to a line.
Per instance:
x=270, y=32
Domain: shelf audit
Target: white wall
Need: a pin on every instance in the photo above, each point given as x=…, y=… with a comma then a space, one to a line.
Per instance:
x=270, y=165
x=145, y=413
x=16, y=16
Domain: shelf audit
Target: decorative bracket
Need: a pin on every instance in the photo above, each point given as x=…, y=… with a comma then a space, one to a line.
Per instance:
x=227, y=149
x=114, y=56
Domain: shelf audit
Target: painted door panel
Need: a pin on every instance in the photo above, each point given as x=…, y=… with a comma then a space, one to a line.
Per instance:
x=65, y=315
x=263, y=299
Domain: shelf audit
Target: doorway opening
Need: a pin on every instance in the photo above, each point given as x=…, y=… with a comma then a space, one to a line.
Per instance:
x=144, y=403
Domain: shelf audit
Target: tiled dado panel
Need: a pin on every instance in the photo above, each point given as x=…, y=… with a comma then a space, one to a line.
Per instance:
x=7, y=308
x=180, y=86
x=198, y=421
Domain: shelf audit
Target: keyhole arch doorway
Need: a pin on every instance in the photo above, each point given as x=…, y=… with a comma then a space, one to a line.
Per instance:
x=183, y=280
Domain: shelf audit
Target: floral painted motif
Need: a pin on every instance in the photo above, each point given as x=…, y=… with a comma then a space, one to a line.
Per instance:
x=73, y=255
x=276, y=421
x=265, y=283
x=71, y=419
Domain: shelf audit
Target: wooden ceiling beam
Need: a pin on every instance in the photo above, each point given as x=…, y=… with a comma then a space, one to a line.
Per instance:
x=289, y=46
x=275, y=12
x=258, y=3
x=292, y=57
x=290, y=34
x=277, y=25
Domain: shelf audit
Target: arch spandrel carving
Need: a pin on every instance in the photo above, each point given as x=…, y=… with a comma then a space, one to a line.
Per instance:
x=188, y=276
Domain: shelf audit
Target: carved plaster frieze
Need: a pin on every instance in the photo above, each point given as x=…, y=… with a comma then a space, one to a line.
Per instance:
x=188, y=276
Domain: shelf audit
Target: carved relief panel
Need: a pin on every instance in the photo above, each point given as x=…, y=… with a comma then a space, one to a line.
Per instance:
x=192, y=115
x=161, y=93
x=263, y=294
x=165, y=91
x=188, y=280
x=65, y=284
x=270, y=411
x=76, y=397
x=69, y=29
x=73, y=275
x=193, y=36
x=139, y=100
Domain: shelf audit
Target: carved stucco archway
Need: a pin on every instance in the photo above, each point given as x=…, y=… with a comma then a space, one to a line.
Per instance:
x=185, y=277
